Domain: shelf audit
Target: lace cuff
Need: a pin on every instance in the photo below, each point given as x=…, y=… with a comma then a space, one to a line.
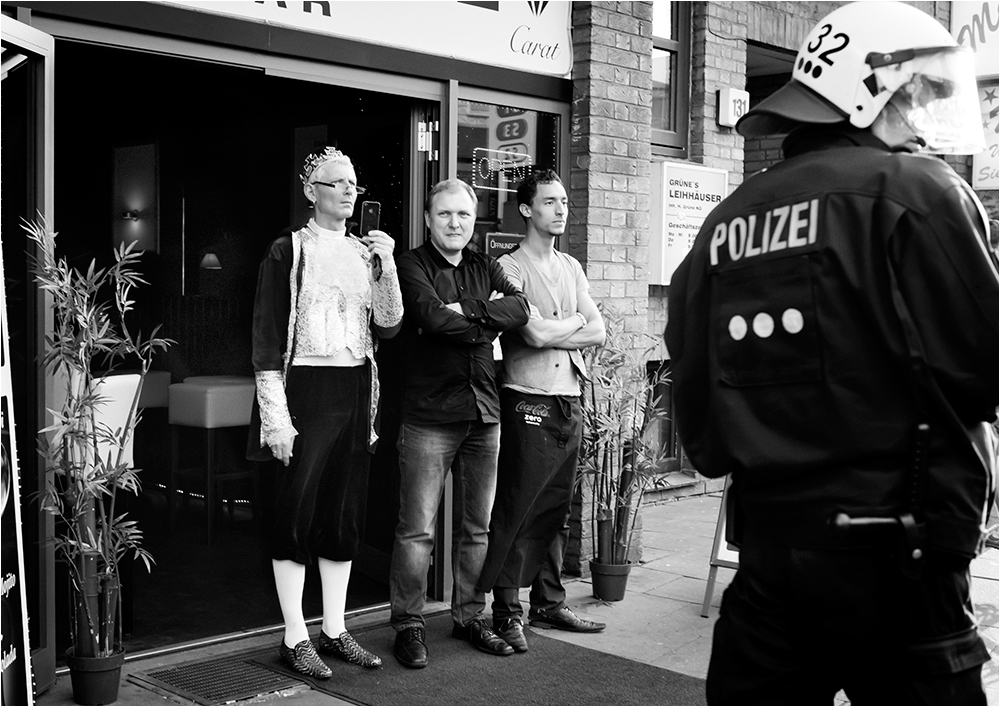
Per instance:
x=274, y=418
x=387, y=304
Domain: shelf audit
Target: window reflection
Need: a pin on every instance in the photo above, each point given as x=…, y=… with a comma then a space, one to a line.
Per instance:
x=671, y=68
x=497, y=146
x=663, y=20
x=663, y=73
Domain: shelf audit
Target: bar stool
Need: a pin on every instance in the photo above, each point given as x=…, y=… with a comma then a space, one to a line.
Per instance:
x=209, y=403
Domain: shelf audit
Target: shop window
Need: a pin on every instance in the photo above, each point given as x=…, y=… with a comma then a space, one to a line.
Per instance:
x=671, y=72
x=497, y=146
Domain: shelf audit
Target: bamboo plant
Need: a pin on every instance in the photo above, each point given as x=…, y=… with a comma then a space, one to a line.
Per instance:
x=85, y=489
x=621, y=456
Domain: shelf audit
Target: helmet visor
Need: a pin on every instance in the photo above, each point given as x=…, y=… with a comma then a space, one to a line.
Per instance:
x=936, y=94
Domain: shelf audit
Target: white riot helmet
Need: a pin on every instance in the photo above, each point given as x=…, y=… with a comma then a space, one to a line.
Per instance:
x=863, y=54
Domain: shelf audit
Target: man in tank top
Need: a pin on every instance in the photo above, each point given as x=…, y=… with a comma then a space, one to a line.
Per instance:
x=540, y=420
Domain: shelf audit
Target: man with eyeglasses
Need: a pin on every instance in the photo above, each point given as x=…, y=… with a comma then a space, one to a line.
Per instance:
x=456, y=303
x=322, y=304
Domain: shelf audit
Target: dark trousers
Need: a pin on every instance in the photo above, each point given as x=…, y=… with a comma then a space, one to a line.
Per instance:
x=539, y=447
x=797, y=625
x=547, y=591
x=322, y=495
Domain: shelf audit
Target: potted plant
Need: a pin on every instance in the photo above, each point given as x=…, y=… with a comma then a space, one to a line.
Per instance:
x=86, y=459
x=621, y=454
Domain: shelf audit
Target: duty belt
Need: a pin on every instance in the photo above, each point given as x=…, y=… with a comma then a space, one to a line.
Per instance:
x=910, y=521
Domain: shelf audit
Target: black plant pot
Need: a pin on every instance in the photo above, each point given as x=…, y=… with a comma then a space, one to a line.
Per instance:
x=609, y=581
x=95, y=680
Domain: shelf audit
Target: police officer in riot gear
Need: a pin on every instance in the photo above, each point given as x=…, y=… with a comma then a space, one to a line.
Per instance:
x=833, y=335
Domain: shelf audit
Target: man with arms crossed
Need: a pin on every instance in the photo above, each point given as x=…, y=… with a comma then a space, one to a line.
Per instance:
x=541, y=420
x=456, y=302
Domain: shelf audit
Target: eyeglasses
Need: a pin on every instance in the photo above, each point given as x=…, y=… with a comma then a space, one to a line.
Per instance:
x=343, y=185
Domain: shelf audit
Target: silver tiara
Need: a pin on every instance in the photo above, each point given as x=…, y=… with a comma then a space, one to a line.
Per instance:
x=313, y=162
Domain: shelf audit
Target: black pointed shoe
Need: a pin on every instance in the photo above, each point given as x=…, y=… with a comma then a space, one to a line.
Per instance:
x=346, y=648
x=565, y=620
x=410, y=649
x=303, y=659
x=482, y=637
x=511, y=630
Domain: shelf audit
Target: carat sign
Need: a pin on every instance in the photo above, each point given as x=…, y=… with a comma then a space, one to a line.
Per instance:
x=516, y=34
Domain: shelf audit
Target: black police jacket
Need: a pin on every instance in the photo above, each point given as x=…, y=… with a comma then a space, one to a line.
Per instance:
x=830, y=305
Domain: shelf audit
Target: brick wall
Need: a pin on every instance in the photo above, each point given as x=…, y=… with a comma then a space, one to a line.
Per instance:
x=610, y=152
x=762, y=152
x=609, y=175
x=718, y=60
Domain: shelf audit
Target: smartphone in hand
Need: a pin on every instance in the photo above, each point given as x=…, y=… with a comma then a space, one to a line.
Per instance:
x=370, y=213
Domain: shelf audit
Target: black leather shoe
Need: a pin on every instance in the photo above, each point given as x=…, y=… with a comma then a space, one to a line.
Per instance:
x=565, y=620
x=511, y=630
x=345, y=647
x=303, y=659
x=411, y=650
x=482, y=637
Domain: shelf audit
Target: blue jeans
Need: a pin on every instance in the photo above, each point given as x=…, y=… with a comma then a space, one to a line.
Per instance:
x=426, y=454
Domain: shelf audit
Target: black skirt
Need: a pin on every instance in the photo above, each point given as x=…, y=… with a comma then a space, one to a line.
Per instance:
x=320, y=497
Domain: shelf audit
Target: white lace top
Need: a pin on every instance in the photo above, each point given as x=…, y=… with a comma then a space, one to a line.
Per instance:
x=338, y=299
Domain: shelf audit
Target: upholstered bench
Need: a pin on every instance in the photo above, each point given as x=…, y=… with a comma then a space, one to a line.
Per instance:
x=209, y=403
x=155, y=389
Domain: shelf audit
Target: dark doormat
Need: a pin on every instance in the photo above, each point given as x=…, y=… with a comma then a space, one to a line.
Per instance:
x=552, y=672
x=216, y=681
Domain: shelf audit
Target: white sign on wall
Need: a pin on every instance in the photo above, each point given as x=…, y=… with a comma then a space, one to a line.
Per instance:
x=986, y=164
x=527, y=36
x=683, y=196
x=977, y=25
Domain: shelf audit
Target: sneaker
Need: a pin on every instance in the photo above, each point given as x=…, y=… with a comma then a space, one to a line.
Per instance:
x=345, y=647
x=303, y=659
x=482, y=637
x=411, y=650
x=511, y=630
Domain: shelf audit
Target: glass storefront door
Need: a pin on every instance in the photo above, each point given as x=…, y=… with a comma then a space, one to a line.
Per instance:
x=498, y=145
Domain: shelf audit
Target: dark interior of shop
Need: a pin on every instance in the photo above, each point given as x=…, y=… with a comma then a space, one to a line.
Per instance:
x=228, y=143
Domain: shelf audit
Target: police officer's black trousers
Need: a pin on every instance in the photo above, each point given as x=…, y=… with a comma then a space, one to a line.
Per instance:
x=797, y=625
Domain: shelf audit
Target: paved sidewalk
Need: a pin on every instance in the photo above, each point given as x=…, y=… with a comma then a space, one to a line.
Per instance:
x=659, y=622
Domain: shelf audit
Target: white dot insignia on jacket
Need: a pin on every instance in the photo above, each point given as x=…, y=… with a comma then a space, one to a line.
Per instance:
x=737, y=328
x=792, y=320
x=763, y=324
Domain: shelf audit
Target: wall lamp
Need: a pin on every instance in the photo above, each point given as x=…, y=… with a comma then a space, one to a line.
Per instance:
x=134, y=207
x=210, y=261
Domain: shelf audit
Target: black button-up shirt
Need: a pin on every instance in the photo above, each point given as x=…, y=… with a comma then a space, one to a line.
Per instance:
x=448, y=369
